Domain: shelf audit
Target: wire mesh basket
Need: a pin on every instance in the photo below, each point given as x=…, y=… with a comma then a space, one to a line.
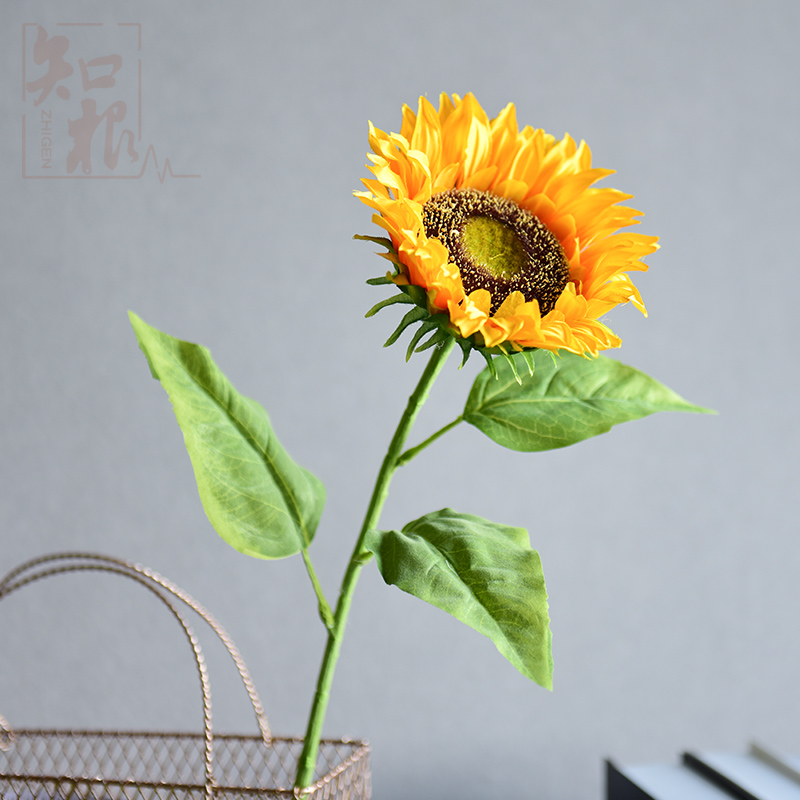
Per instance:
x=106, y=765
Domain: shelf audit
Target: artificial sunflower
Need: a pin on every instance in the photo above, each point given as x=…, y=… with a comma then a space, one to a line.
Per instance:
x=502, y=230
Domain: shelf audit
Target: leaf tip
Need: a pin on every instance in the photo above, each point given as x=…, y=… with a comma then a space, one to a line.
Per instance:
x=136, y=321
x=703, y=410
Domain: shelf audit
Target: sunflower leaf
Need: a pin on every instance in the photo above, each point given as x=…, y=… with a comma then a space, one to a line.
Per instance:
x=259, y=501
x=412, y=316
x=382, y=281
x=485, y=574
x=402, y=297
x=564, y=401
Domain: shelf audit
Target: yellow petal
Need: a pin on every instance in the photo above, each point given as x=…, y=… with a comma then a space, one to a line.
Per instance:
x=457, y=146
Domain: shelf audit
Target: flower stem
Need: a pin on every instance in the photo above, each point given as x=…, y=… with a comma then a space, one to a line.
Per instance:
x=414, y=451
x=360, y=556
x=325, y=612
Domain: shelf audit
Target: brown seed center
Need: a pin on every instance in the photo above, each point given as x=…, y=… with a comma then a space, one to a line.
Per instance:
x=497, y=246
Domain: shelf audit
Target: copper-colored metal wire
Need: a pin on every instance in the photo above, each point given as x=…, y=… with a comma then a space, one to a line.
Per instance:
x=138, y=572
x=261, y=766
x=6, y=735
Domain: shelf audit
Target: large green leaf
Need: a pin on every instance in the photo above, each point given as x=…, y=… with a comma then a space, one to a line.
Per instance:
x=484, y=574
x=565, y=401
x=259, y=500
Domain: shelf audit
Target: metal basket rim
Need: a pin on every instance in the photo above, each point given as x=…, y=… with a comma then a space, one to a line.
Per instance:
x=54, y=732
x=189, y=788
x=361, y=749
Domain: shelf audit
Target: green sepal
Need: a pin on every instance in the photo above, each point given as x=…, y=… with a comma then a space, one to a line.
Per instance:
x=510, y=361
x=565, y=401
x=389, y=301
x=416, y=293
x=383, y=241
x=484, y=574
x=393, y=258
x=438, y=337
x=489, y=359
x=434, y=322
x=414, y=315
x=530, y=362
x=419, y=297
x=423, y=329
x=259, y=501
x=466, y=351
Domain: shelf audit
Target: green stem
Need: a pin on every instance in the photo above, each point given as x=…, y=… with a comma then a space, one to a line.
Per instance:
x=414, y=451
x=325, y=612
x=360, y=556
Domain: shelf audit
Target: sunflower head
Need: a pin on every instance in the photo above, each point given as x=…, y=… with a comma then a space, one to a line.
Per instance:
x=498, y=236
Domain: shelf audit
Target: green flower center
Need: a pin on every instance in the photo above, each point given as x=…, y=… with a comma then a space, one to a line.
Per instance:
x=497, y=246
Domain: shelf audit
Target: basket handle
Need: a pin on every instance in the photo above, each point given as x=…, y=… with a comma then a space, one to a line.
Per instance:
x=35, y=569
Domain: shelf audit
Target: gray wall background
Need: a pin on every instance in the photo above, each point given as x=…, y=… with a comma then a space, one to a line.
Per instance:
x=669, y=545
